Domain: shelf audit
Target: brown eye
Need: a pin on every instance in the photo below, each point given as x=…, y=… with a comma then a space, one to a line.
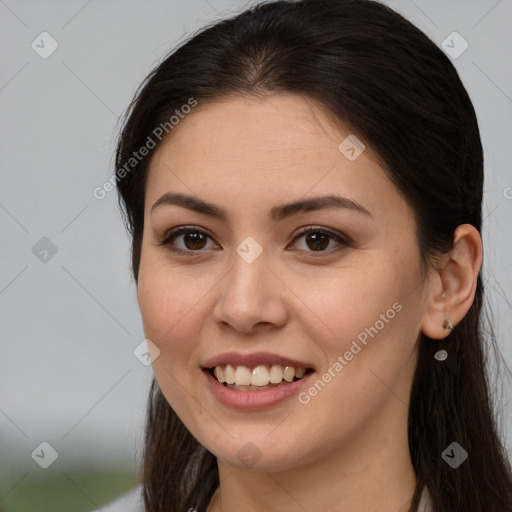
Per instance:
x=318, y=240
x=188, y=240
x=192, y=240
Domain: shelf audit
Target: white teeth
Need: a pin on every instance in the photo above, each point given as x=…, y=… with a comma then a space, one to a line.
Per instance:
x=288, y=373
x=229, y=374
x=261, y=375
x=276, y=374
x=219, y=373
x=242, y=376
x=299, y=373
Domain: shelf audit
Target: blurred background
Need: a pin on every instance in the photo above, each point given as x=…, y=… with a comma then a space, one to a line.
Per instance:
x=73, y=377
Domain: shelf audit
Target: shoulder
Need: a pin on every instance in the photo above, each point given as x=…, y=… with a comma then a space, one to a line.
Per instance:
x=129, y=502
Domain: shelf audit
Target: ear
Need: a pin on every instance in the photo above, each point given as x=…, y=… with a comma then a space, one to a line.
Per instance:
x=453, y=283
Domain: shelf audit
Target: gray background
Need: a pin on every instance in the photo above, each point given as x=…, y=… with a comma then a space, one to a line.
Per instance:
x=68, y=375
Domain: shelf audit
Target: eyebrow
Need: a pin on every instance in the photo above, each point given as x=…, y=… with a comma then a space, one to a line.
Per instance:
x=277, y=213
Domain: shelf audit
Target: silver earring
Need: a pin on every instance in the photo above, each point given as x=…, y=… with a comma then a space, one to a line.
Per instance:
x=448, y=325
x=441, y=355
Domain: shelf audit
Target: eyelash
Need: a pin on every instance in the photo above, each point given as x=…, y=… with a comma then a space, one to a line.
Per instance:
x=344, y=241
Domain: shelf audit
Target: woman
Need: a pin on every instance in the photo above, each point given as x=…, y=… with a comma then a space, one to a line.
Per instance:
x=303, y=187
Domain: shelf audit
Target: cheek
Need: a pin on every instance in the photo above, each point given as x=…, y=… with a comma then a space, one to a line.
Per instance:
x=169, y=321
x=372, y=319
x=354, y=302
x=365, y=360
x=167, y=308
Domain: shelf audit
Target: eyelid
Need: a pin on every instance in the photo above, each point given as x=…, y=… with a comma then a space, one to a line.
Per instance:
x=343, y=240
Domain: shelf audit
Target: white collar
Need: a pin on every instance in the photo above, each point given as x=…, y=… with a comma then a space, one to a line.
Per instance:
x=425, y=502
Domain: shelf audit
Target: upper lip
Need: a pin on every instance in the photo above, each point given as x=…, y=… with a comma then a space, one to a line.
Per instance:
x=237, y=359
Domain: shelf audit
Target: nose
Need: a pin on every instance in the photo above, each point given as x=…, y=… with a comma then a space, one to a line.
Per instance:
x=251, y=297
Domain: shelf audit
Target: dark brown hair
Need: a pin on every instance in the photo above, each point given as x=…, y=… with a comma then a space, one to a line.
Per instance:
x=401, y=95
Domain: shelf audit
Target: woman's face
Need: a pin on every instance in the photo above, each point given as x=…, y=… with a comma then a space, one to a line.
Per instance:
x=245, y=287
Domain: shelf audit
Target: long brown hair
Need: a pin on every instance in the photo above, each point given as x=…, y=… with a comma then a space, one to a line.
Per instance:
x=402, y=96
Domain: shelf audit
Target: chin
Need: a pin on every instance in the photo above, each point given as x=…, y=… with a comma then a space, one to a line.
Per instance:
x=258, y=452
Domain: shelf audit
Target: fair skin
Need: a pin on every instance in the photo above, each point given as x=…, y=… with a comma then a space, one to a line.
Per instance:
x=345, y=449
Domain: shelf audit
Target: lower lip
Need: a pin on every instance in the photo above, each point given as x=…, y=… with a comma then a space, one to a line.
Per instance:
x=254, y=399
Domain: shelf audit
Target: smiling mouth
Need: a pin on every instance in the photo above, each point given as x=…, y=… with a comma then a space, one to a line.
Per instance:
x=258, y=377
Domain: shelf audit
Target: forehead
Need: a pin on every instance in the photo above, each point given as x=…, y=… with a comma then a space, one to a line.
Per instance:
x=264, y=148
x=234, y=127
